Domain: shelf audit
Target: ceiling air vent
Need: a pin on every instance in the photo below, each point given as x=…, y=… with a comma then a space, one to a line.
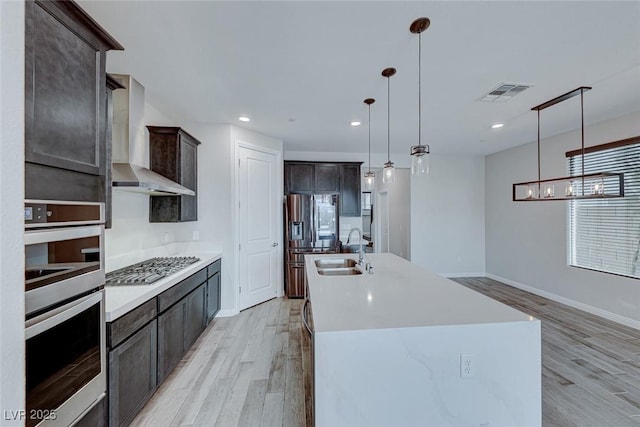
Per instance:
x=504, y=92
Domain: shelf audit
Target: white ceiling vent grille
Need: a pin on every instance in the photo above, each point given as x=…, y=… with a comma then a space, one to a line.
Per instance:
x=505, y=92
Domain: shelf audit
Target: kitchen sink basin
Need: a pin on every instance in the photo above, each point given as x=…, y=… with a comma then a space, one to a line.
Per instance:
x=335, y=263
x=341, y=271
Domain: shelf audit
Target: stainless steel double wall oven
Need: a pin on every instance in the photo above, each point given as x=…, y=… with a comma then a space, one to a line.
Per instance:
x=64, y=302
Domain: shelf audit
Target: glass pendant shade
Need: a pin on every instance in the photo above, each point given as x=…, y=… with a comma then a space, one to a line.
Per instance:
x=369, y=181
x=420, y=160
x=388, y=173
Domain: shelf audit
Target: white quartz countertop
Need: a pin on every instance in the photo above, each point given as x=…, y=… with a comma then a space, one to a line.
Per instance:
x=398, y=294
x=119, y=300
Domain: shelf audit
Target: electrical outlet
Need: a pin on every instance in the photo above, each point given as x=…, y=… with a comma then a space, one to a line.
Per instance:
x=467, y=365
x=196, y=235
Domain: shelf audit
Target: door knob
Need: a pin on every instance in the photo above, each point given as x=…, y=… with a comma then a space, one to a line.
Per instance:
x=274, y=244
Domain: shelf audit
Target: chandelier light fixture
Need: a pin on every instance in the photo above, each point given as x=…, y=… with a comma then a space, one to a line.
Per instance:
x=388, y=172
x=419, y=153
x=590, y=186
x=369, y=177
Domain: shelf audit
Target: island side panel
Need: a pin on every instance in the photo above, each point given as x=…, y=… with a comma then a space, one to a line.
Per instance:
x=411, y=376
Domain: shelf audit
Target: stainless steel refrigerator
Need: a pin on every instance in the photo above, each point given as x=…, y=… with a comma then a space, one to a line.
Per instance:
x=312, y=226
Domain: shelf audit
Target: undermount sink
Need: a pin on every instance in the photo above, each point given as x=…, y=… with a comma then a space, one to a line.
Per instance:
x=335, y=263
x=341, y=271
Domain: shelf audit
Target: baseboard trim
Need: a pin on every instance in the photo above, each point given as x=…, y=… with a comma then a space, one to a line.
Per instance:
x=449, y=275
x=566, y=301
x=227, y=313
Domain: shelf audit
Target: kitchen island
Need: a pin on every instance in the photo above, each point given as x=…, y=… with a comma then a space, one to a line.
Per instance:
x=406, y=347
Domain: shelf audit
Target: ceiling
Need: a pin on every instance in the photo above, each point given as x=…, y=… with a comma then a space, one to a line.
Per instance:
x=301, y=69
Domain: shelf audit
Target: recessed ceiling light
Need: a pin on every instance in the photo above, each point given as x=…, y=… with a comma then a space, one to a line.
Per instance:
x=244, y=119
x=355, y=123
x=497, y=125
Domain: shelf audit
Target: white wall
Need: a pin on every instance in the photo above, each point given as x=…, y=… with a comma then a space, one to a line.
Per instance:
x=133, y=233
x=526, y=243
x=12, y=347
x=377, y=159
x=399, y=205
x=437, y=220
x=447, y=216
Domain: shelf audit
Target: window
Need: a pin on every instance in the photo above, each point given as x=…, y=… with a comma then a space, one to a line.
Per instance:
x=604, y=234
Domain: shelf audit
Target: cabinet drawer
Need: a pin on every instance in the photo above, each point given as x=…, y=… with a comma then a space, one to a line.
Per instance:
x=179, y=291
x=123, y=327
x=214, y=268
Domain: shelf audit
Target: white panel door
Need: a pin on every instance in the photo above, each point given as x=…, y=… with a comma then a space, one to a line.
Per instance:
x=258, y=226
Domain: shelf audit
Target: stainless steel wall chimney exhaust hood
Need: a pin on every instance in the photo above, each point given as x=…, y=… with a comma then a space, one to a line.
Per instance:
x=139, y=179
x=130, y=147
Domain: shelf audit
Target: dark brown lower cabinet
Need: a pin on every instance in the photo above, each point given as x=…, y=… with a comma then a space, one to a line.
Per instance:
x=132, y=375
x=213, y=289
x=178, y=329
x=195, y=316
x=148, y=342
x=213, y=296
x=170, y=339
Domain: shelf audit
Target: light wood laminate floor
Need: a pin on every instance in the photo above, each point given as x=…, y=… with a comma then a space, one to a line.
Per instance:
x=590, y=365
x=247, y=370
x=244, y=370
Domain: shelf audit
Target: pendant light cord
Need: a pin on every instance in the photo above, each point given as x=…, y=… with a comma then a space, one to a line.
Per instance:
x=538, y=152
x=369, y=138
x=388, y=119
x=582, y=133
x=420, y=88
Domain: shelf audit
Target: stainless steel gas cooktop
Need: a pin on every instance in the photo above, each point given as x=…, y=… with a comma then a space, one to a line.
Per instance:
x=149, y=271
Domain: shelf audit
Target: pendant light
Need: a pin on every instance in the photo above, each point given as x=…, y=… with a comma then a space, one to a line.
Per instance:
x=590, y=186
x=369, y=177
x=419, y=153
x=388, y=172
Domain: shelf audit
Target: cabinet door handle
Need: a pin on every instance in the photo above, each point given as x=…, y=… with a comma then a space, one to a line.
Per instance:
x=274, y=244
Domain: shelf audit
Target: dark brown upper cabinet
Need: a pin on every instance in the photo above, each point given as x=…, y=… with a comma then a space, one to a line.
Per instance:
x=299, y=178
x=174, y=155
x=66, y=103
x=350, y=197
x=324, y=177
x=327, y=178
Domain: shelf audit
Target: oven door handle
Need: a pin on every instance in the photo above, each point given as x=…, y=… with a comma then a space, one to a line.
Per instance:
x=45, y=236
x=52, y=318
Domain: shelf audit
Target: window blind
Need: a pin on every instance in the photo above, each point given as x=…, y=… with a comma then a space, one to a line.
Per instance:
x=604, y=234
